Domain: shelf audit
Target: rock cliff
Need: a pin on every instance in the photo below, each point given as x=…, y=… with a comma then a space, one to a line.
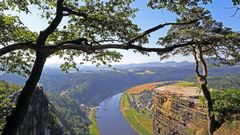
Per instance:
x=38, y=120
x=37, y=117
x=178, y=112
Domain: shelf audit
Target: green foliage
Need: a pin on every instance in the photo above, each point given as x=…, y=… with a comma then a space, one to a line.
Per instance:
x=93, y=128
x=54, y=124
x=191, y=131
x=226, y=105
x=224, y=82
x=12, y=30
x=223, y=44
x=185, y=84
x=68, y=112
x=103, y=22
x=202, y=101
x=177, y=6
x=6, y=104
x=232, y=124
x=62, y=110
x=224, y=47
x=220, y=82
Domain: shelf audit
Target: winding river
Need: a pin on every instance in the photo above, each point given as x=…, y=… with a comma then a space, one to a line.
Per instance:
x=110, y=119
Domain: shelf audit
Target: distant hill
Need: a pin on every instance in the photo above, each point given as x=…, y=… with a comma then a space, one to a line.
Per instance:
x=126, y=66
x=156, y=64
x=92, y=85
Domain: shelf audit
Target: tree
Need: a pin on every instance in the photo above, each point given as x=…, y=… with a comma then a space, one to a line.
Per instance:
x=92, y=27
x=224, y=48
x=180, y=5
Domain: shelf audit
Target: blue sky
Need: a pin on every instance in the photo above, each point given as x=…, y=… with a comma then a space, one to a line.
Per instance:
x=147, y=18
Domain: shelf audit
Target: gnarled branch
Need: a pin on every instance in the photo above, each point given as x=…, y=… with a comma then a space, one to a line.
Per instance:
x=153, y=29
x=203, y=63
x=72, y=12
x=196, y=60
x=54, y=24
x=54, y=48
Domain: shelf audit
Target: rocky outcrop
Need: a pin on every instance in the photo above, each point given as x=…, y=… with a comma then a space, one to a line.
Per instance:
x=39, y=120
x=178, y=112
x=37, y=117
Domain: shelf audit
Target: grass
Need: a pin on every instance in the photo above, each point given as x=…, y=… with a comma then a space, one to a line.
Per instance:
x=140, y=120
x=93, y=128
x=185, y=84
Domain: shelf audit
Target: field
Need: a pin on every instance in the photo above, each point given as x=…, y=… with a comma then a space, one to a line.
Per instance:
x=93, y=128
x=140, y=88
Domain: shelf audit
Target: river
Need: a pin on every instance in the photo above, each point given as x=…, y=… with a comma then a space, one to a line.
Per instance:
x=110, y=119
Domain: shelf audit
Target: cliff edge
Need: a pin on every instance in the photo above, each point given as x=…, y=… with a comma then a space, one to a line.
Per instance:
x=38, y=120
x=178, y=112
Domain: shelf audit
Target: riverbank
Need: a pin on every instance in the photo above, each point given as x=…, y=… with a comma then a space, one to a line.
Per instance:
x=140, y=120
x=135, y=108
x=93, y=128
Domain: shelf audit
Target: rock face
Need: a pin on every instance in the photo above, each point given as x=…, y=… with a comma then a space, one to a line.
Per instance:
x=175, y=113
x=37, y=118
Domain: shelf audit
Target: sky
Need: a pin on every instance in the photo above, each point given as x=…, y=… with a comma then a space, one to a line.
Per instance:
x=147, y=18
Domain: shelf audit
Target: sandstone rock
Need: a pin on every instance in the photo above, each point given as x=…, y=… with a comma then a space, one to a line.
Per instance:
x=177, y=114
x=39, y=120
x=36, y=120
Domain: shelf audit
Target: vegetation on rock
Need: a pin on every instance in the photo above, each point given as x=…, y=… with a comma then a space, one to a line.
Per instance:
x=6, y=103
x=93, y=127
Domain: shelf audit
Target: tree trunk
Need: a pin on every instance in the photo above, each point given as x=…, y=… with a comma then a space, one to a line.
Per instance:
x=207, y=95
x=18, y=113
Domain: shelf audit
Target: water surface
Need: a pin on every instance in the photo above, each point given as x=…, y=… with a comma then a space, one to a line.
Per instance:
x=110, y=119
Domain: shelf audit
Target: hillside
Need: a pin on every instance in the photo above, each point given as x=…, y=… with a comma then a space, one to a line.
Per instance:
x=90, y=85
x=61, y=115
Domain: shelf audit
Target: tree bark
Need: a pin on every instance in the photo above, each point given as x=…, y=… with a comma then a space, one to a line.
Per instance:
x=207, y=95
x=17, y=116
x=202, y=80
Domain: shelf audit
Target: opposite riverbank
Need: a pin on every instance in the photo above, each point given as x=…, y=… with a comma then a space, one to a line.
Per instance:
x=136, y=105
x=139, y=117
x=93, y=128
x=139, y=120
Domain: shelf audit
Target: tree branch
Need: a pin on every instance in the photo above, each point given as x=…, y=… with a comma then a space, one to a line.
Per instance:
x=17, y=46
x=72, y=12
x=208, y=49
x=157, y=28
x=54, y=24
x=203, y=63
x=54, y=48
x=196, y=60
x=236, y=11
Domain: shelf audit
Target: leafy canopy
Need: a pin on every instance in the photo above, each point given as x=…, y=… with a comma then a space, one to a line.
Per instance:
x=223, y=45
x=95, y=21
